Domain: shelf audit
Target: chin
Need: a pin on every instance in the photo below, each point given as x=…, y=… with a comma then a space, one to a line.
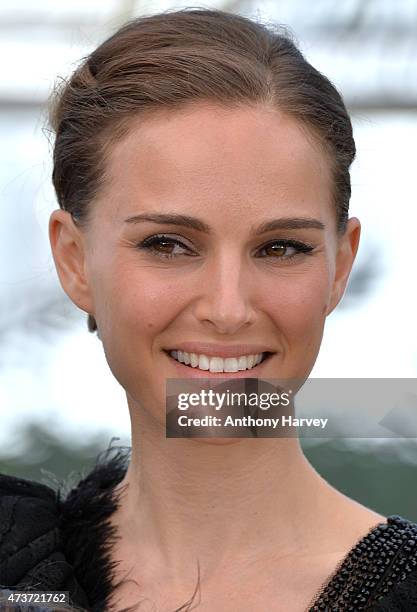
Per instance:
x=216, y=441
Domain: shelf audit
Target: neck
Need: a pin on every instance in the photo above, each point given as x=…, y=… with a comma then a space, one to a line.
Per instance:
x=220, y=504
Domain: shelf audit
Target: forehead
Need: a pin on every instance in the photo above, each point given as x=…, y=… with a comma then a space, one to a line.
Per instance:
x=215, y=156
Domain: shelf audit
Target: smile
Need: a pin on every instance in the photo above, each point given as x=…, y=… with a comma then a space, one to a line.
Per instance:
x=218, y=364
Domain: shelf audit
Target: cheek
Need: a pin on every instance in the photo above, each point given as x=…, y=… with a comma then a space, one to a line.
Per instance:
x=136, y=303
x=134, y=307
x=151, y=304
x=298, y=301
x=141, y=303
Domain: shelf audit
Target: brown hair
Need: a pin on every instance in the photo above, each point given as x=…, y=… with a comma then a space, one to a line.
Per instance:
x=172, y=58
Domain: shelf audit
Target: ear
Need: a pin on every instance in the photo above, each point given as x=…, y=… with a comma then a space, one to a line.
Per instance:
x=68, y=251
x=347, y=247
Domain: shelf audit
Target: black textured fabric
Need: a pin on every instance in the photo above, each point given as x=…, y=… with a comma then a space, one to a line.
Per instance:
x=378, y=574
x=61, y=540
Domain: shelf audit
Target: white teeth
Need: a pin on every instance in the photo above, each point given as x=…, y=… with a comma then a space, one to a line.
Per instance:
x=230, y=364
x=217, y=364
x=242, y=363
x=203, y=362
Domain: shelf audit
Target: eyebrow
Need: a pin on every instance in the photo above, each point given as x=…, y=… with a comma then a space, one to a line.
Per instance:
x=287, y=223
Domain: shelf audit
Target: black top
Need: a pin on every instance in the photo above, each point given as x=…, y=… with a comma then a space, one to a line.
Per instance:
x=60, y=540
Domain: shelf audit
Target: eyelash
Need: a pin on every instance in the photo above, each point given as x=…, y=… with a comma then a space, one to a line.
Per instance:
x=149, y=243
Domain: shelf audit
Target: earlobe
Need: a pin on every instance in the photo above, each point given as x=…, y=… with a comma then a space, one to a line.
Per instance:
x=346, y=253
x=68, y=253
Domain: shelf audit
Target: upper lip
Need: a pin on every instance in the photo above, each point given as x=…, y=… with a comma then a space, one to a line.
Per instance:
x=220, y=350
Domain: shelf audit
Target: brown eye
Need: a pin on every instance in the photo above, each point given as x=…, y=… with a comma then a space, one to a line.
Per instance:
x=275, y=250
x=164, y=246
x=285, y=249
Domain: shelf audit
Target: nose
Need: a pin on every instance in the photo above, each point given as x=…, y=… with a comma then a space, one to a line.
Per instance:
x=225, y=303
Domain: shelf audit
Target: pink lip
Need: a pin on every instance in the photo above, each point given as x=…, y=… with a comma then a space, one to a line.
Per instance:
x=221, y=350
x=186, y=371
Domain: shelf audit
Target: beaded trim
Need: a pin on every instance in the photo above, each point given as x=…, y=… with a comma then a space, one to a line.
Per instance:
x=379, y=561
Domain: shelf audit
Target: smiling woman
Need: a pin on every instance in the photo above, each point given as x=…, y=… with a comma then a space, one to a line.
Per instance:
x=201, y=167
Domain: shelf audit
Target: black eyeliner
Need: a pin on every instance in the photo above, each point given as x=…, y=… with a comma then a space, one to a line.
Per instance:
x=148, y=243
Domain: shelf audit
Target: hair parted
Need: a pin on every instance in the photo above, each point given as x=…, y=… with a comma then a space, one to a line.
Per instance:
x=169, y=59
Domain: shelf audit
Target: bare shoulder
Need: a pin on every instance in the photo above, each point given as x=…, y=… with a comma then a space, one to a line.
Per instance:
x=353, y=521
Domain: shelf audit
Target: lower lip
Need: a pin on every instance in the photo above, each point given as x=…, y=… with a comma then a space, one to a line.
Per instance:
x=185, y=371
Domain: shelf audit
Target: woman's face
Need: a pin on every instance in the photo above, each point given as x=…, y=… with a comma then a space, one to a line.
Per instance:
x=228, y=281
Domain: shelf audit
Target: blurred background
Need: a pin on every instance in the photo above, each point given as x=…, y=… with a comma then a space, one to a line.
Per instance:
x=59, y=403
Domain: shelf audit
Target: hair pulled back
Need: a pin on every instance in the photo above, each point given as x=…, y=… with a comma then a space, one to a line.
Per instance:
x=166, y=60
